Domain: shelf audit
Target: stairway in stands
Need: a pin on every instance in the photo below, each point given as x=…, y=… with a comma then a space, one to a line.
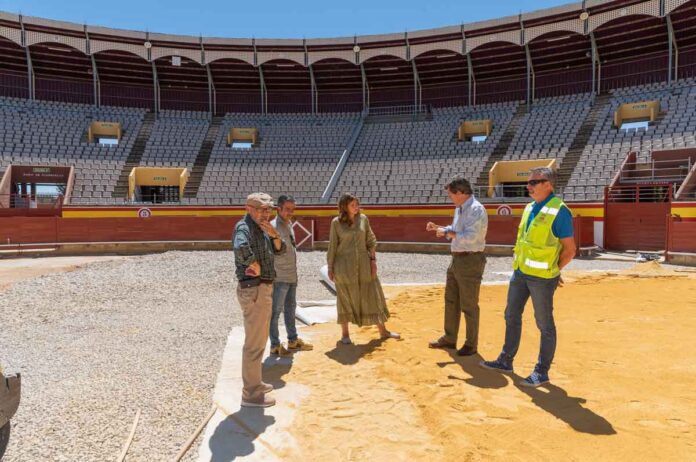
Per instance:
x=570, y=161
x=201, y=163
x=135, y=155
x=503, y=144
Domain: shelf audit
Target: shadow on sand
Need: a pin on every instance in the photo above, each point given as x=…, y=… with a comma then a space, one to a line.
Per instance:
x=234, y=437
x=555, y=400
x=351, y=354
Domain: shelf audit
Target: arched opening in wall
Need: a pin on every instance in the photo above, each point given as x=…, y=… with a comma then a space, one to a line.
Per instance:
x=443, y=77
x=14, y=82
x=183, y=84
x=684, y=22
x=390, y=81
x=237, y=86
x=562, y=63
x=339, y=86
x=500, y=70
x=632, y=51
x=125, y=79
x=62, y=73
x=288, y=86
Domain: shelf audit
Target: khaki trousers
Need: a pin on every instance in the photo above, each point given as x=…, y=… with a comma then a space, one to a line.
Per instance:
x=256, y=303
x=462, y=295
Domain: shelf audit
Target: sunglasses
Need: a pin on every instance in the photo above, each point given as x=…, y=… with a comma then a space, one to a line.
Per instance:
x=536, y=182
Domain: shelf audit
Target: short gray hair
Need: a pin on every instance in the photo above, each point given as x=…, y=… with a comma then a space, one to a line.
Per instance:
x=546, y=172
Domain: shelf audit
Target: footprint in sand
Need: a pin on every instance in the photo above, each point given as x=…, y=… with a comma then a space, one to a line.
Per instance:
x=651, y=423
x=677, y=423
x=341, y=428
x=481, y=418
x=346, y=413
x=634, y=404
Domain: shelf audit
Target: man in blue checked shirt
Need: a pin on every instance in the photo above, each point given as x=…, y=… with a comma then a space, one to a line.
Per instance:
x=467, y=234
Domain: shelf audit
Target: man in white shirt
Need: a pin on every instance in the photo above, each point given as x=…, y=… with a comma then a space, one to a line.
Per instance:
x=467, y=234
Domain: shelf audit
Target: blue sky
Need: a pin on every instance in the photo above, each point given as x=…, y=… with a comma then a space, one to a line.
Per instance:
x=273, y=18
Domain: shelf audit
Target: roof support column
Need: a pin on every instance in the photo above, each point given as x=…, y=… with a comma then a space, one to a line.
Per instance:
x=672, y=74
x=156, y=87
x=30, y=75
x=365, y=91
x=212, y=100
x=30, y=69
x=472, y=80
x=417, y=95
x=95, y=72
x=315, y=92
x=95, y=82
x=596, y=67
x=530, y=77
x=264, y=93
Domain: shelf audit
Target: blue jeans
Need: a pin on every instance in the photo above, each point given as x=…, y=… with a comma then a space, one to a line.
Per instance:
x=541, y=290
x=283, y=300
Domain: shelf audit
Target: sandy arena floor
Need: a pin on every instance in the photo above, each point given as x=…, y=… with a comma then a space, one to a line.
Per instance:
x=623, y=381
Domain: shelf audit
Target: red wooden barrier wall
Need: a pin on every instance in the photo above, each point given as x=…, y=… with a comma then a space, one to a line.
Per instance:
x=502, y=230
x=681, y=235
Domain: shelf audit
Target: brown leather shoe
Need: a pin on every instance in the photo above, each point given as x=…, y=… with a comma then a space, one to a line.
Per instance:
x=466, y=351
x=441, y=343
x=266, y=387
x=261, y=401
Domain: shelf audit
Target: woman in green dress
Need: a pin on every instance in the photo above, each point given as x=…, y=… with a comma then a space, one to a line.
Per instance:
x=353, y=268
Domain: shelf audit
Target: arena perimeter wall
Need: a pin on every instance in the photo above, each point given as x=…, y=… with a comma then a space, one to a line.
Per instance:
x=129, y=224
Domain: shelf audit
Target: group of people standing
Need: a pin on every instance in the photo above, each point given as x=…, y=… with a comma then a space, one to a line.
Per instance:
x=266, y=269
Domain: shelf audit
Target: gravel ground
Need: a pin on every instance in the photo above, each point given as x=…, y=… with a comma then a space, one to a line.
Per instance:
x=97, y=344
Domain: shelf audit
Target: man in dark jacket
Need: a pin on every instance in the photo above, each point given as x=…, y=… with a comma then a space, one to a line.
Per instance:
x=255, y=241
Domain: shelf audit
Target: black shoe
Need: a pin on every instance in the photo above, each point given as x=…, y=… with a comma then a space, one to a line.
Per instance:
x=466, y=351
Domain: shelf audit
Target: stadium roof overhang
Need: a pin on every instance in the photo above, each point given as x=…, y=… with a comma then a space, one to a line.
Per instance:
x=550, y=40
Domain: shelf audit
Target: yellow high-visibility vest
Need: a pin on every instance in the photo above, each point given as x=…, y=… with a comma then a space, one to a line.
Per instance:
x=537, y=250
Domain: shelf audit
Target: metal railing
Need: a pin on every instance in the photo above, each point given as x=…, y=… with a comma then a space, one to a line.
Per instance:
x=656, y=171
x=641, y=193
x=405, y=109
x=29, y=201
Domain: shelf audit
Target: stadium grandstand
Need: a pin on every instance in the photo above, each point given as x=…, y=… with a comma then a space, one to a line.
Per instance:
x=97, y=119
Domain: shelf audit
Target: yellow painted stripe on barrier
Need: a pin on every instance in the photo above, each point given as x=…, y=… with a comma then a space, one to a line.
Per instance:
x=100, y=213
x=594, y=212
x=197, y=213
x=405, y=212
x=492, y=210
x=133, y=213
x=684, y=212
x=222, y=212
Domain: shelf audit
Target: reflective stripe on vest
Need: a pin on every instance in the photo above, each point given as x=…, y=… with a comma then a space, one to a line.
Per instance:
x=536, y=264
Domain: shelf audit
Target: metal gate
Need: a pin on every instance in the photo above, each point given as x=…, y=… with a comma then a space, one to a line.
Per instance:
x=635, y=217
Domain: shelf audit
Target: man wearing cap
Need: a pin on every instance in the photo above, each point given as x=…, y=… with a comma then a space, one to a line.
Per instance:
x=545, y=244
x=255, y=241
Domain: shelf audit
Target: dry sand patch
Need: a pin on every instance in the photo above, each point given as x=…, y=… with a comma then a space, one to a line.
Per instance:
x=623, y=381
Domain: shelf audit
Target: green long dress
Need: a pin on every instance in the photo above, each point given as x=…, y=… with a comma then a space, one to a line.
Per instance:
x=360, y=299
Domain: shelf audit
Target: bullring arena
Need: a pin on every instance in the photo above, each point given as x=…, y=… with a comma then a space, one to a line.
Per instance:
x=126, y=158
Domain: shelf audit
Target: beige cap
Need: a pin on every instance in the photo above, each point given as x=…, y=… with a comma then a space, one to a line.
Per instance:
x=259, y=199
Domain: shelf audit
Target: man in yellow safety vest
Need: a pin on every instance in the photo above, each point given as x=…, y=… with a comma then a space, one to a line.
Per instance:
x=545, y=244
